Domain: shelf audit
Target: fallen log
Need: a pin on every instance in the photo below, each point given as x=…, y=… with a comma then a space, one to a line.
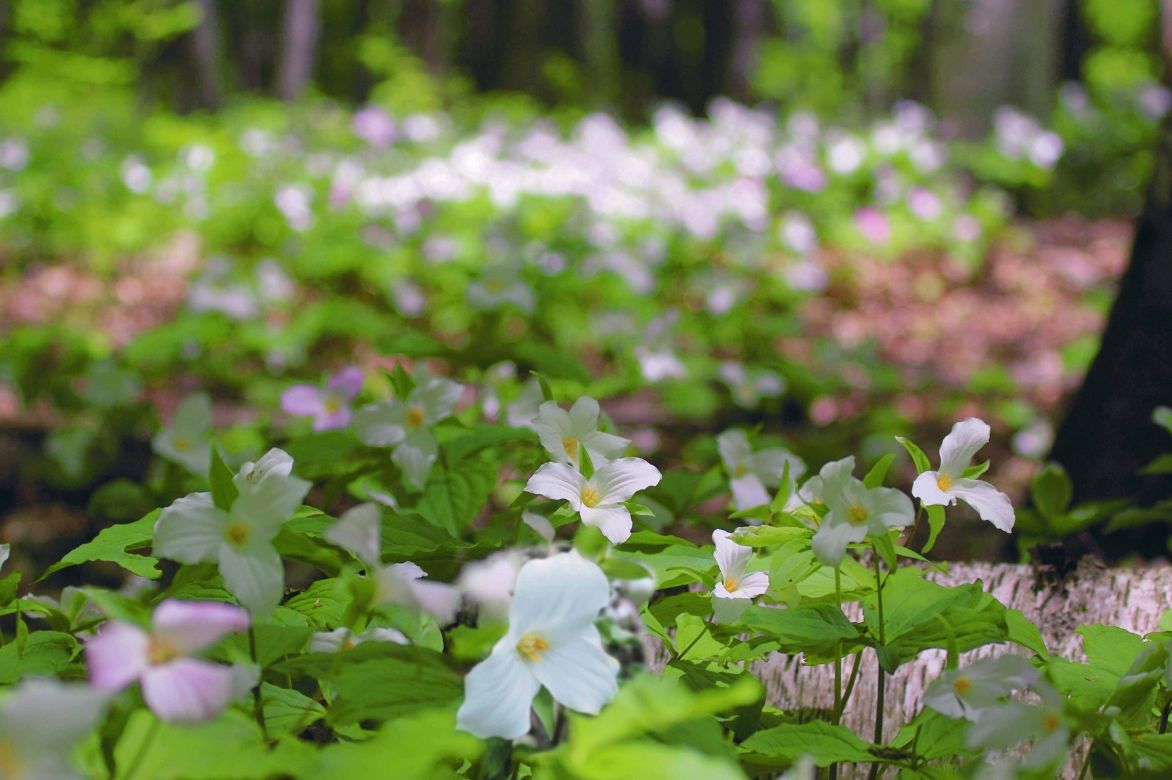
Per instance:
x=1130, y=598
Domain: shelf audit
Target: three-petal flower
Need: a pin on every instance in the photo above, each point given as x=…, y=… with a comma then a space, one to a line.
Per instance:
x=562, y=433
x=329, y=406
x=855, y=511
x=175, y=686
x=944, y=486
x=752, y=474
x=733, y=559
x=551, y=642
x=240, y=540
x=599, y=499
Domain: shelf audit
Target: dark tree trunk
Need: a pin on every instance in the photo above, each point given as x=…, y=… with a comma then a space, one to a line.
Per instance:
x=302, y=24
x=749, y=20
x=205, y=54
x=1108, y=434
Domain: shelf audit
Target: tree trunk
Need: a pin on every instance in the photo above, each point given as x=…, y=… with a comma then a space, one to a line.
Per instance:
x=1133, y=599
x=1108, y=434
x=302, y=24
x=205, y=52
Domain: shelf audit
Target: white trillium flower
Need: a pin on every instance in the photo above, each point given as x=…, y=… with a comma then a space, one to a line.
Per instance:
x=551, y=642
x=343, y=639
x=41, y=722
x=500, y=286
x=522, y=413
x=599, y=499
x=360, y=530
x=856, y=511
x=405, y=425
x=1004, y=725
x=754, y=474
x=733, y=559
x=193, y=530
x=969, y=692
x=945, y=486
x=490, y=582
x=562, y=433
x=188, y=439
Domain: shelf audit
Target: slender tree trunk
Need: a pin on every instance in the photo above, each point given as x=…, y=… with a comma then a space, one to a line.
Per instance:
x=205, y=52
x=302, y=25
x=749, y=20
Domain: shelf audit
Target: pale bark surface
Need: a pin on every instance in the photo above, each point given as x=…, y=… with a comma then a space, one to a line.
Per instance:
x=1130, y=598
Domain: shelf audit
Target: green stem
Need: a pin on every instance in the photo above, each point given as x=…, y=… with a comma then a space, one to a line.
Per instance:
x=1086, y=762
x=850, y=686
x=257, y=702
x=143, y=748
x=880, y=675
x=1164, y=715
x=837, y=666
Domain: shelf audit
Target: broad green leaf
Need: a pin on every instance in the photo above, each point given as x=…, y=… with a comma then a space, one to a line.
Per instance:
x=935, y=526
x=1022, y=631
x=1051, y=490
x=481, y=437
x=918, y=456
x=420, y=746
x=453, y=497
x=323, y=603
x=818, y=630
x=224, y=490
x=113, y=544
x=878, y=472
x=288, y=711
x=650, y=760
x=823, y=742
x=45, y=653
x=404, y=680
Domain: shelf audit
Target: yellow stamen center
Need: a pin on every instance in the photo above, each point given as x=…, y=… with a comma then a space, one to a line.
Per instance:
x=332, y=404
x=740, y=471
x=415, y=416
x=160, y=651
x=532, y=646
x=590, y=496
x=856, y=515
x=1050, y=722
x=494, y=285
x=944, y=482
x=570, y=445
x=730, y=584
x=962, y=685
x=181, y=444
x=237, y=533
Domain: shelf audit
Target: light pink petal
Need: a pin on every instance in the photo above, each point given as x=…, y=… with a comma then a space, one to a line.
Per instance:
x=961, y=444
x=620, y=479
x=438, y=599
x=190, y=626
x=188, y=690
x=557, y=481
x=333, y=421
x=302, y=400
x=117, y=655
x=346, y=382
x=613, y=521
x=408, y=570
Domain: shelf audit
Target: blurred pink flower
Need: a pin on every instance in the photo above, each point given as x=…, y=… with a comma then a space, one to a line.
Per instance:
x=375, y=126
x=329, y=407
x=873, y=224
x=175, y=686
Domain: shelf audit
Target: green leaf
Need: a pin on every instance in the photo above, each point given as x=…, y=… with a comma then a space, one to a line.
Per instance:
x=586, y=465
x=113, y=545
x=323, y=603
x=288, y=711
x=45, y=653
x=935, y=526
x=1050, y=490
x=650, y=760
x=482, y=437
x=1022, y=631
x=453, y=497
x=975, y=471
x=818, y=630
x=918, y=456
x=878, y=472
x=224, y=490
x=825, y=743
x=401, y=381
x=1162, y=416
x=420, y=746
x=886, y=550
x=1161, y=465
x=398, y=681
x=784, y=491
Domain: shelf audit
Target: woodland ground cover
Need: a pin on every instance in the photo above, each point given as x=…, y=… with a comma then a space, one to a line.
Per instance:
x=309, y=476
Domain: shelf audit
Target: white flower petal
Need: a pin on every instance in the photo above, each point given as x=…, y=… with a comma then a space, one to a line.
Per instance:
x=578, y=672
x=540, y=525
x=834, y=478
x=730, y=556
x=554, y=428
x=254, y=575
x=831, y=539
x=927, y=489
x=117, y=655
x=991, y=504
x=415, y=456
x=734, y=448
x=604, y=447
x=555, y=592
x=437, y=397
x=620, y=479
x=191, y=626
x=359, y=530
x=557, y=481
x=961, y=444
x=888, y=508
x=438, y=599
x=748, y=492
x=383, y=424
x=769, y=465
x=614, y=521
x=190, y=529
x=187, y=690
x=44, y=715
x=752, y=585
x=583, y=415
x=498, y=693
x=268, y=499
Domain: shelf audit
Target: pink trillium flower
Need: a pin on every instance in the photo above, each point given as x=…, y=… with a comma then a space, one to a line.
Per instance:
x=329, y=407
x=176, y=686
